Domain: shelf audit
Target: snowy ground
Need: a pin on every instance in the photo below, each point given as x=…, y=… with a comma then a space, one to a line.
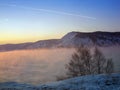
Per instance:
x=90, y=82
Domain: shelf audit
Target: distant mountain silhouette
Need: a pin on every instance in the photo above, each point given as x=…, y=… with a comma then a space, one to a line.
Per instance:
x=72, y=39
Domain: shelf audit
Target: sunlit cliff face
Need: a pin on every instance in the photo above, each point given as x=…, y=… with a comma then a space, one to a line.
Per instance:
x=42, y=65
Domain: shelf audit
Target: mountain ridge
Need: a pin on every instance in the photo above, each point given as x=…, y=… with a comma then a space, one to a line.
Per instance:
x=71, y=39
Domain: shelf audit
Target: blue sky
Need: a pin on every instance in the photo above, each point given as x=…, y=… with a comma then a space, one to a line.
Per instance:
x=32, y=20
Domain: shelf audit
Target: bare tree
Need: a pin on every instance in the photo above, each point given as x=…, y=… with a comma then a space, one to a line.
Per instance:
x=109, y=66
x=99, y=62
x=85, y=63
x=80, y=63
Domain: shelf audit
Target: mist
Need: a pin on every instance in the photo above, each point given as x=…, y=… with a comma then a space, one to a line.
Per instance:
x=42, y=65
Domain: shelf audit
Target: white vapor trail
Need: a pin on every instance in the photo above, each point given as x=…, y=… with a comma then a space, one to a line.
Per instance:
x=51, y=11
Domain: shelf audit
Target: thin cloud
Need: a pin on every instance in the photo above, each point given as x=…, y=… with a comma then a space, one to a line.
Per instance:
x=51, y=11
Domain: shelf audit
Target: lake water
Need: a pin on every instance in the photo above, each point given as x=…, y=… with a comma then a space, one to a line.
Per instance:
x=42, y=65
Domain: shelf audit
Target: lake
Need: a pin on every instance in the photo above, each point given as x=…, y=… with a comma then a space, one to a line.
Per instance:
x=42, y=65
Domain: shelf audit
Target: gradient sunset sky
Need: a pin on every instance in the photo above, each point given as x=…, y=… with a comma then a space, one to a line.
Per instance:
x=32, y=20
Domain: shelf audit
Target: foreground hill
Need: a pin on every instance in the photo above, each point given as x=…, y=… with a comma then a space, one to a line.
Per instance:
x=90, y=82
x=72, y=39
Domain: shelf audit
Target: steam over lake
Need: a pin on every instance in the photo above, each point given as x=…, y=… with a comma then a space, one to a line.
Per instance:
x=42, y=65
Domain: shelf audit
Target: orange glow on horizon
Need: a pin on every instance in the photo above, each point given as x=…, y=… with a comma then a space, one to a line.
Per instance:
x=13, y=39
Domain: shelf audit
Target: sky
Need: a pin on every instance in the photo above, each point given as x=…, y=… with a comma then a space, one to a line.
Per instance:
x=31, y=20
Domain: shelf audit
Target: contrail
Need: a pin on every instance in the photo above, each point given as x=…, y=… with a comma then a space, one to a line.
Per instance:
x=51, y=11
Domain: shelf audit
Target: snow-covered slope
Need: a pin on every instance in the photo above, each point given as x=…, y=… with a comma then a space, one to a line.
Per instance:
x=90, y=82
x=95, y=38
x=72, y=39
x=44, y=44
